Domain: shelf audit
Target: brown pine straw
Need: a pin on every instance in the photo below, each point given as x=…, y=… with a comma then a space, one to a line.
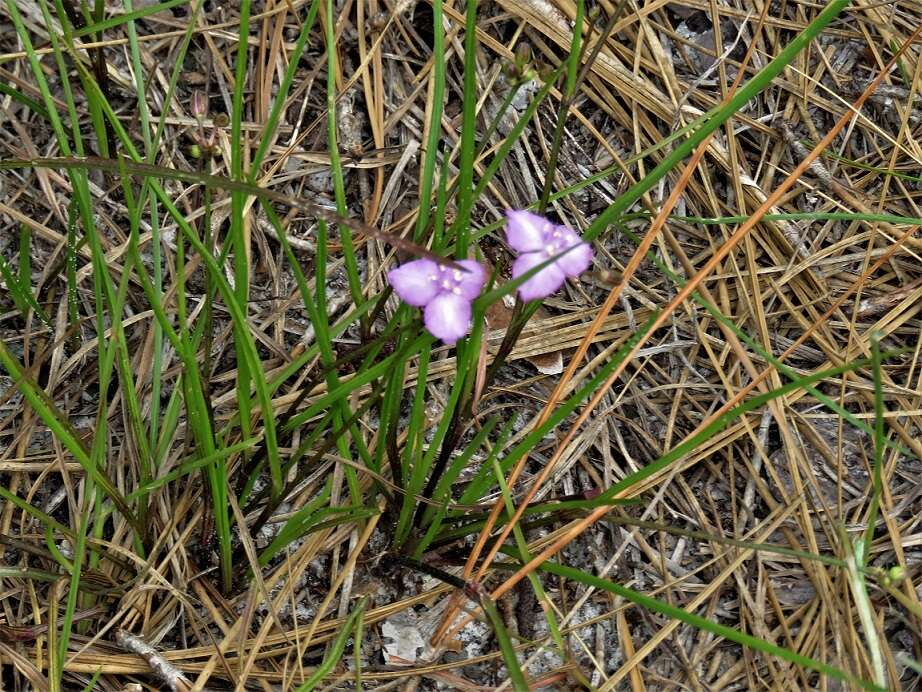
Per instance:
x=581, y=525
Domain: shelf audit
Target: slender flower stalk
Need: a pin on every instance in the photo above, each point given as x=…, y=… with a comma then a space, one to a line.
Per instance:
x=444, y=293
x=537, y=240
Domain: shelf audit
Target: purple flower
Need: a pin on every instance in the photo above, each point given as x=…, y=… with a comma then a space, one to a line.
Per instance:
x=537, y=240
x=445, y=293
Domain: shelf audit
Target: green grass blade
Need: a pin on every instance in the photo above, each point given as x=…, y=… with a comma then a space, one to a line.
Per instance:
x=442, y=490
x=547, y=608
x=569, y=91
x=516, y=676
x=22, y=99
x=879, y=446
x=63, y=431
x=335, y=652
x=297, y=524
x=281, y=97
x=129, y=17
x=716, y=118
x=73, y=593
x=190, y=466
x=91, y=685
x=783, y=368
x=21, y=293
x=514, y=134
x=336, y=164
x=704, y=624
x=238, y=238
x=435, y=122
x=35, y=512
x=461, y=227
x=360, y=379
x=805, y=216
x=855, y=558
x=756, y=402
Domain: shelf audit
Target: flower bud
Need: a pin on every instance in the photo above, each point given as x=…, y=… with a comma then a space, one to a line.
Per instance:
x=199, y=105
x=896, y=574
x=522, y=55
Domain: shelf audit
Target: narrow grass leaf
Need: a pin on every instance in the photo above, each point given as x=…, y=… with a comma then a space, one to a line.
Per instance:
x=716, y=118
x=514, y=668
x=701, y=623
x=335, y=652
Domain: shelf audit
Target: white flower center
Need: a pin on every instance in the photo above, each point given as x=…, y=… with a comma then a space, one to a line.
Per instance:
x=448, y=279
x=556, y=242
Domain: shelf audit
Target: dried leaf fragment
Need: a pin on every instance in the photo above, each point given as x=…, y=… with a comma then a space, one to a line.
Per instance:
x=499, y=315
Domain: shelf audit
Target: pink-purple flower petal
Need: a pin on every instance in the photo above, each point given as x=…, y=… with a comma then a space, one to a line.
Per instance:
x=578, y=259
x=448, y=317
x=525, y=231
x=415, y=282
x=471, y=282
x=546, y=282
